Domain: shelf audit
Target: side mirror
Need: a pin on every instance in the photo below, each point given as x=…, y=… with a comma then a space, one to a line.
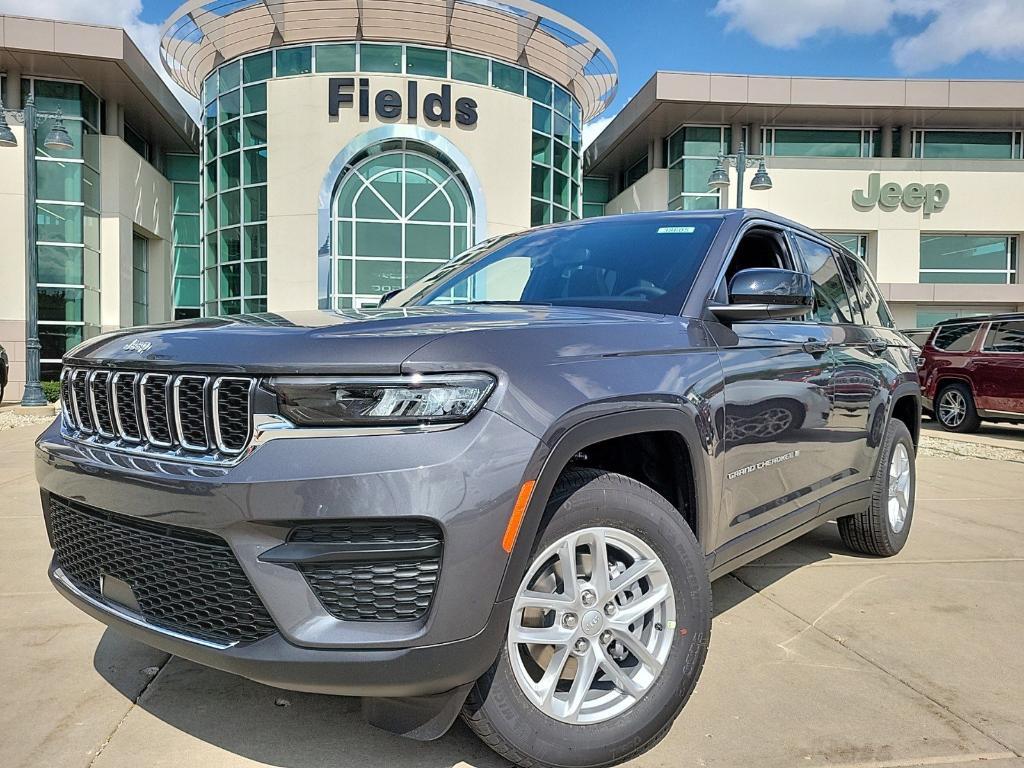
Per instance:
x=766, y=294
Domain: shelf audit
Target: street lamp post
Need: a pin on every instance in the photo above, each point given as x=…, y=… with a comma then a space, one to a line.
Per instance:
x=58, y=138
x=719, y=178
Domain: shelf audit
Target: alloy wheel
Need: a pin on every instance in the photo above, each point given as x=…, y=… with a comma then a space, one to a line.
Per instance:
x=899, y=487
x=592, y=625
x=952, y=408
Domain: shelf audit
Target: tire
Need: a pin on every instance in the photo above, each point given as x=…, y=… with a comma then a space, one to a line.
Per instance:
x=955, y=410
x=877, y=531
x=498, y=709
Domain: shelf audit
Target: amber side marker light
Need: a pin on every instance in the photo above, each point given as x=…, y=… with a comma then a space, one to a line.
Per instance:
x=518, y=512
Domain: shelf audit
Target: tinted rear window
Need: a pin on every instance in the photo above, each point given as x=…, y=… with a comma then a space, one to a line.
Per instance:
x=1006, y=337
x=641, y=264
x=956, y=338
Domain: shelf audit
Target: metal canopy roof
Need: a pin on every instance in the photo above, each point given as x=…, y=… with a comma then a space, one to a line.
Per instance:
x=202, y=34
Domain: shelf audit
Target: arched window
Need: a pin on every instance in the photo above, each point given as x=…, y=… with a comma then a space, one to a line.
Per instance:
x=400, y=211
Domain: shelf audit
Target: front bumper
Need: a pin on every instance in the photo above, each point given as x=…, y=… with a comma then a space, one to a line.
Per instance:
x=464, y=480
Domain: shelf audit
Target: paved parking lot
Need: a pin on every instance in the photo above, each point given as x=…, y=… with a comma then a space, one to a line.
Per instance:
x=817, y=658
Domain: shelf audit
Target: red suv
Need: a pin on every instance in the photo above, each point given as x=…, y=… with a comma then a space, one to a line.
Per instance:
x=972, y=369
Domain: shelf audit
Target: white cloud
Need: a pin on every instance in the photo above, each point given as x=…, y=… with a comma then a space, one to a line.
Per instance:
x=592, y=129
x=942, y=32
x=114, y=13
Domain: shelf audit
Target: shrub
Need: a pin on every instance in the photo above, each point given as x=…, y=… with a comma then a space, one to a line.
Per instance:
x=52, y=390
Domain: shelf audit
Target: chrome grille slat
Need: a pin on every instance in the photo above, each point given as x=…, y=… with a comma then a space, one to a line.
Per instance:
x=186, y=417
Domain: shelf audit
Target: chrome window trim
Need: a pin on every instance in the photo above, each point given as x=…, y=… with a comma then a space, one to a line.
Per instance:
x=90, y=388
x=132, y=618
x=176, y=409
x=142, y=408
x=122, y=434
x=218, y=439
x=67, y=417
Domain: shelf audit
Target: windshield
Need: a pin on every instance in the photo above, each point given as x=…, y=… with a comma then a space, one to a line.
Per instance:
x=646, y=265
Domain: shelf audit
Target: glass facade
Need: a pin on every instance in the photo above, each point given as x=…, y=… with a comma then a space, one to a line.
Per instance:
x=140, y=280
x=183, y=173
x=820, y=142
x=926, y=318
x=235, y=152
x=597, y=191
x=68, y=221
x=967, y=145
x=400, y=211
x=968, y=259
x=852, y=241
x=692, y=154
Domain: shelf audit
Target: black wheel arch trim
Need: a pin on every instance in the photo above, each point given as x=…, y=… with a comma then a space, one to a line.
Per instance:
x=586, y=427
x=907, y=389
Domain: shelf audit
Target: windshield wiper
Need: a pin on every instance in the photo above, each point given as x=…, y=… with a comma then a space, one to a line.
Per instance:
x=503, y=303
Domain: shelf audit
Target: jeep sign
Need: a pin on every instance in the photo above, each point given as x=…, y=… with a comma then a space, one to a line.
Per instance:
x=889, y=196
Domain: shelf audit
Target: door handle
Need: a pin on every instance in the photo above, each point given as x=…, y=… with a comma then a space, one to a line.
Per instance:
x=878, y=346
x=814, y=347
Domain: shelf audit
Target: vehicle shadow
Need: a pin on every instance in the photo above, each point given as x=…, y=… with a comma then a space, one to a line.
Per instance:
x=299, y=730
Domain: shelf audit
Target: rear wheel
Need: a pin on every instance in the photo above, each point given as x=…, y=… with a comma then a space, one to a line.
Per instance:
x=608, y=633
x=955, y=410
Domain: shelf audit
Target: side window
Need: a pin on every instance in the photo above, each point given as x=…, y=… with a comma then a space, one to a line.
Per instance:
x=831, y=302
x=956, y=338
x=758, y=247
x=1006, y=337
x=865, y=293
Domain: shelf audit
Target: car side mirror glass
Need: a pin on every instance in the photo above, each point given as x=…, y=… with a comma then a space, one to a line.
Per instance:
x=767, y=294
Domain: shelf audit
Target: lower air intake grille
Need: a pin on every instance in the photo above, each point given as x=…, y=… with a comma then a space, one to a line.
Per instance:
x=390, y=587
x=183, y=580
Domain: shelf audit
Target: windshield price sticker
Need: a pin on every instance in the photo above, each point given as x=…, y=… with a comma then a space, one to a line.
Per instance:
x=676, y=230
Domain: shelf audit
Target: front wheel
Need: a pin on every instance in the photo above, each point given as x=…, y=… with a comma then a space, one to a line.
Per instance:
x=608, y=633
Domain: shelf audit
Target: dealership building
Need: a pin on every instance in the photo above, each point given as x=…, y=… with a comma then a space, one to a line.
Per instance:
x=345, y=148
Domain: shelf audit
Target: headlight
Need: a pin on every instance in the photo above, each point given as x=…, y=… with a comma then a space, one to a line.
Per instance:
x=322, y=401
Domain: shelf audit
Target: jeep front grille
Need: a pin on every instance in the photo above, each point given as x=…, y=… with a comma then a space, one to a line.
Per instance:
x=167, y=415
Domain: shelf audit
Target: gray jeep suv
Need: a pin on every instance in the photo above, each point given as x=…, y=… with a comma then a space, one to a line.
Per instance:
x=506, y=491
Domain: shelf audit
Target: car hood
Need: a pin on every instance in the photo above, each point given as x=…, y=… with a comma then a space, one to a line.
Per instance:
x=347, y=341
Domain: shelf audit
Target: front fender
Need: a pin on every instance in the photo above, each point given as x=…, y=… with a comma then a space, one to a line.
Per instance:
x=604, y=421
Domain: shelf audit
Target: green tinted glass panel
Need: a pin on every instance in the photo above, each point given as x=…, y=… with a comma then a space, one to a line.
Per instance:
x=596, y=189
x=255, y=203
x=380, y=58
x=186, y=198
x=969, y=145
x=563, y=101
x=74, y=129
x=60, y=304
x=993, y=278
x=469, y=69
x=255, y=166
x=370, y=206
x=230, y=170
x=376, y=277
x=436, y=208
x=230, y=106
x=344, y=276
x=211, y=216
x=336, y=58
x=378, y=239
x=426, y=61
x=52, y=95
x=560, y=193
x=460, y=203
x=230, y=280
x=389, y=186
x=417, y=189
x=210, y=88
x=540, y=184
x=344, y=239
x=60, y=264
x=230, y=307
x=210, y=252
x=538, y=89
x=182, y=167
x=590, y=210
x=507, y=77
x=211, y=178
x=812, y=143
x=417, y=270
x=255, y=242
x=294, y=61
x=230, y=136
x=255, y=130
x=258, y=67
x=211, y=116
x=559, y=214
x=55, y=340
x=186, y=292
x=540, y=213
x=696, y=173
x=58, y=181
x=562, y=128
x=541, y=149
x=230, y=209
x=59, y=223
x=541, y=119
x=561, y=158
x=230, y=76
x=255, y=274
x=230, y=248
x=964, y=252
x=186, y=261
x=254, y=98
x=423, y=241
x=702, y=203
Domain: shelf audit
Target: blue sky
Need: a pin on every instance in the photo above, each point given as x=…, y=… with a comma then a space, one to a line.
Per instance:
x=923, y=38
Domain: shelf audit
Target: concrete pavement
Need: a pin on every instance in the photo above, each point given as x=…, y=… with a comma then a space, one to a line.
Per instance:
x=818, y=657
